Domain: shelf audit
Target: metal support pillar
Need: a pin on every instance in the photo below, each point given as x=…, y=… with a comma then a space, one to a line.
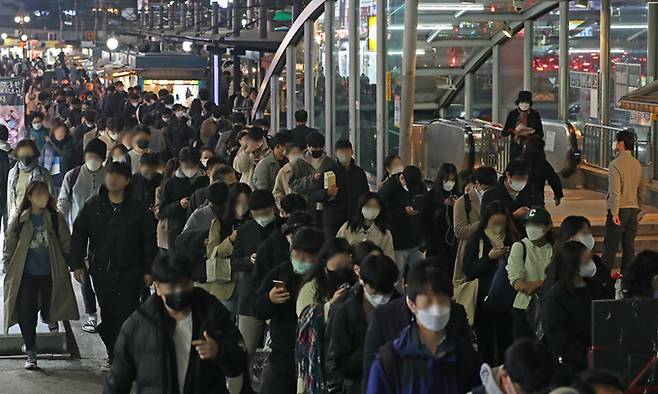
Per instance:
x=291, y=82
x=170, y=22
x=151, y=17
x=468, y=96
x=604, y=83
x=250, y=10
x=381, y=105
x=308, y=72
x=563, y=73
x=353, y=73
x=183, y=16
x=142, y=20
x=161, y=18
x=652, y=73
x=237, y=74
x=262, y=22
x=215, y=18
x=237, y=19
x=197, y=16
x=496, y=114
x=329, y=78
x=528, y=40
x=274, y=102
x=409, y=38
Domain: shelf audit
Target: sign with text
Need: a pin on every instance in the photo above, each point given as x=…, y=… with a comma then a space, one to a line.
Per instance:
x=12, y=108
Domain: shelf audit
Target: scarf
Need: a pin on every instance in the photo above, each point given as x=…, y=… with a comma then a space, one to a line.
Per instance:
x=496, y=239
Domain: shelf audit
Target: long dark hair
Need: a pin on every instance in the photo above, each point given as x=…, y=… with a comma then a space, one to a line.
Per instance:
x=170, y=169
x=495, y=208
x=572, y=225
x=443, y=175
x=233, y=195
x=356, y=222
x=330, y=248
x=639, y=274
x=567, y=263
x=388, y=160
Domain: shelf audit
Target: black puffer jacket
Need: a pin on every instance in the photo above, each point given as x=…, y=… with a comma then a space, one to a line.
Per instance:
x=272, y=252
x=121, y=239
x=145, y=351
x=352, y=184
x=406, y=229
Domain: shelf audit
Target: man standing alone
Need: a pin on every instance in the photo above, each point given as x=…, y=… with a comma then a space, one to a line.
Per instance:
x=626, y=187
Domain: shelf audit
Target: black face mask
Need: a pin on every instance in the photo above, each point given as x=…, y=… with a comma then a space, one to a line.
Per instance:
x=143, y=143
x=180, y=300
x=218, y=210
x=316, y=154
x=26, y=161
x=339, y=277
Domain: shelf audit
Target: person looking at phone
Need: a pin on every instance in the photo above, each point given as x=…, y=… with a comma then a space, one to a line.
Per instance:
x=403, y=196
x=181, y=339
x=485, y=250
x=275, y=300
x=514, y=191
x=522, y=123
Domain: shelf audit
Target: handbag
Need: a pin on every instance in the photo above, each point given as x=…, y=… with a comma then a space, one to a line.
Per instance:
x=501, y=295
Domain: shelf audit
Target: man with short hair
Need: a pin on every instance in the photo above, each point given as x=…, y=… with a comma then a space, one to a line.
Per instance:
x=250, y=155
x=141, y=141
x=201, y=219
x=88, y=128
x=301, y=130
x=282, y=181
x=425, y=358
x=180, y=340
x=119, y=233
x=626, y=190
x=147, y=179
x=217, y=171
x=38, y=133
x=267, y=169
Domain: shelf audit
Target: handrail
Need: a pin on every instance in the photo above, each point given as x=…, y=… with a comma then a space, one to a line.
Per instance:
x=597, y=144
x=311, y=12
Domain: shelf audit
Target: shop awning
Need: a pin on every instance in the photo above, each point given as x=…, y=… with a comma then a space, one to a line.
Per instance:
x=644, y=99
x=172, y=74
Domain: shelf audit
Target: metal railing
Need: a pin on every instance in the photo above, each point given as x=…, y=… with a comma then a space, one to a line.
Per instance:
x=597, y=145
x=494, y=147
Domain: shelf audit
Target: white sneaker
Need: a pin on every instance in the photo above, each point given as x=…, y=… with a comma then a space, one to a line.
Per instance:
x=31, y=363
x=53, y=327
x=89, y=326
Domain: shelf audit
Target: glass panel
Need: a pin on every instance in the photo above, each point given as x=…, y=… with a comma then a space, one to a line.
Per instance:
x=283, y=104
x=339, y=54
x=545, y=64
x=299, y=80
x=482, y=92
x=395, y=11
x=319, y=50
x=367, y=134
x=511, y=79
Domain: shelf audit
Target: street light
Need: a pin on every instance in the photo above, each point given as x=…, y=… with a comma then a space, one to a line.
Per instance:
x=112, y=43
x=24, y=37
x=4, y=36
x=187, y=46
x=22, y=19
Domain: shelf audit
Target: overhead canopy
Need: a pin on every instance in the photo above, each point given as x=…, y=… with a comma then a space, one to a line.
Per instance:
x=644, y=99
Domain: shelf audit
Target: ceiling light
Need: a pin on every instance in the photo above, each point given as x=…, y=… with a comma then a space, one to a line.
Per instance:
x=581, y=3
x=112, y=43
x=446, y=26
x=450, y=7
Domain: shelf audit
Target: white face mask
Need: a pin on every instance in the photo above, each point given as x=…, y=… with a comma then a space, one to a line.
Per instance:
x=614, y=146
x=93, y=165
x=343, y=159
x=377, y=299
x=264, y=221
x=119, y=159
x=448, y=185
x=204, y=162
x=241, y=209
x=189, y=172
x=112, y=135
x=587, y=240
x=36, y=126
x=435, y=318
x=588, y=270
x=517, y=186
x=179, y=114
x=478, y=192
x=370, y=213
x=294, y=158
x=534, y=232
x=397, y=170
x=524, y=106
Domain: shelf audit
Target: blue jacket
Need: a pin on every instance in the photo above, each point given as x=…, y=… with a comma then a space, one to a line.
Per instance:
x=455, y=372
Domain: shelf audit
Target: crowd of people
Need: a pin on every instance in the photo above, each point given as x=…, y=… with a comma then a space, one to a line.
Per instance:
x=227, y=257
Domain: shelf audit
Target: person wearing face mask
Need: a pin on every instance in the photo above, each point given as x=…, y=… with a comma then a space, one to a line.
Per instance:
x=522, y=123
x=248, y=238
x=211, y=126
x=425, y=357
x=176, y=192
x=248, y=156
x=115, y=237
x=307, y=175
x=369, y=223
x=26, y=170
x=541, y=170
x=567, y=309
x=515, y=192
x=300, y=132
x=349, y=319
x=437, y=214
x=217, y=171
x=266, y=170
x=37, y=274
x=486, y=250
x=206, y=154
x=351, y=184
x=184, y=331
x=275, y=300
x=392, y=167
x=60, y=154
x=130, y=108
x=201, y=219
x=38, y=133
x=282, y=181
x=466, y=219
x=87, y=130
x=147, y=179
x=526, y=266
x=140, y=142
x=178, y=134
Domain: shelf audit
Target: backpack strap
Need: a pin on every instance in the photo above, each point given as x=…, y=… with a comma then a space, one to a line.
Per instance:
x=390, y=364
x=524, y=250
x=468, y=205
x=75, y=173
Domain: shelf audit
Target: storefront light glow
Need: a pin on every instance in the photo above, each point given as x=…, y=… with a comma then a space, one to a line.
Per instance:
x=112, y=43
x=187, y=46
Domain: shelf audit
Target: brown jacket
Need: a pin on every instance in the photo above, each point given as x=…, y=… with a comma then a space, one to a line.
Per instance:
x=223, y=251
x=626, y=183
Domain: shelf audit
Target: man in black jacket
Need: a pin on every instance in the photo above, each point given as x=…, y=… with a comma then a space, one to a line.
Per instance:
x=404, y=196
x=217, y=171
x=352, y=183
x=177, y=190
x=301, y=130
x=120, y=233
x=147, y=179
x=275, y=300
x=515, y=192
x=181, y=340
x=522, y=123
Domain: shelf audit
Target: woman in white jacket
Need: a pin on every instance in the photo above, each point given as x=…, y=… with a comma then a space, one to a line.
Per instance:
x=369, y=224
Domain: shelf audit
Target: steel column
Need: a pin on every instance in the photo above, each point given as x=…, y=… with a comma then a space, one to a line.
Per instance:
x=382, y=116
x=495, y=84
x=151, y=17
x=528, y=40
x=468, y=96
x=161, y=18
x=652, y=73
x=353, y=73
x=291, y=85
x=171, y=21
x=563, y=73
x=237, y=19
x=604, y=83
x=215, y=18
x=408, y=76
x=197, y=17
x=329, y=76
x=262, y=22
x=183, y=16
x=274, y=103
x=309, y=99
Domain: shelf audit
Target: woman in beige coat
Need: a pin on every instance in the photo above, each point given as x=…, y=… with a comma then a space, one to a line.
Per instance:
x=369, y=224
x=37, y=277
